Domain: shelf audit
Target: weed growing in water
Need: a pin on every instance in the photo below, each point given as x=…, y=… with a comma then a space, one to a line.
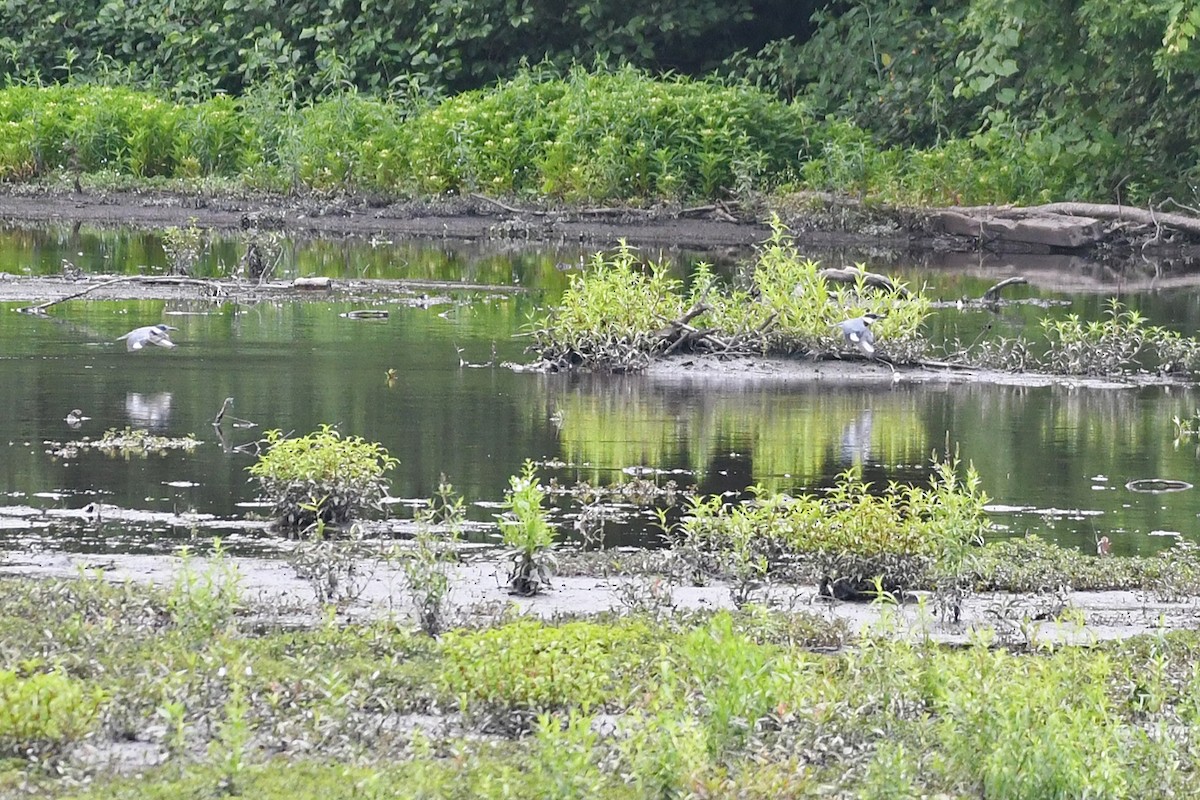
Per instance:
x=904, y=535
x=528, y=534
x=334, y=567
x=1104, y=347
x=1120, y=343
x=617, y=316
x=321, y=476
x=428, y=567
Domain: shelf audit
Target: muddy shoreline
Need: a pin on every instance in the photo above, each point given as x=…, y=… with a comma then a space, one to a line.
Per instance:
x=478, y=587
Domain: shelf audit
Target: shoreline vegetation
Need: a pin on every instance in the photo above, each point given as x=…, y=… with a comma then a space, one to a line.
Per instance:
x=191, y=687
x=611, y=136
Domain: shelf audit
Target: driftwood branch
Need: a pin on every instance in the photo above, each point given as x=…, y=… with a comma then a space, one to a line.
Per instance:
x=851, y=275
x=992, y=295
x=1105, y=211
x=40, y=308
x=507, y=208
x=680, y=334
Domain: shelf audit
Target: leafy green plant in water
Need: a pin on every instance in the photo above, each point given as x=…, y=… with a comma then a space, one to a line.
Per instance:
x=528, y=533
x=335, y=567
x=908, y=535
x=616, y=316
x=321, y=476
x=806, y=307
x=183, y=247
x=608, y=316
x=427, y=570
x=43, y=711
x=1099, y=347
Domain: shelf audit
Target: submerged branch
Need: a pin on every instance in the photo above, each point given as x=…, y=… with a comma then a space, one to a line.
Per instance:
x=992, y=295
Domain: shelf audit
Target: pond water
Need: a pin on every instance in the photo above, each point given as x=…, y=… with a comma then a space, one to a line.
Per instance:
x=1056, y=461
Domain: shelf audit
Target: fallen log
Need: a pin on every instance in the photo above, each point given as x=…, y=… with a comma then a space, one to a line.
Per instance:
x=852, y=275
x=40, y=308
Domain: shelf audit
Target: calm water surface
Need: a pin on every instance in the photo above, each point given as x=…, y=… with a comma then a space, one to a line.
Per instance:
x=1056, y=461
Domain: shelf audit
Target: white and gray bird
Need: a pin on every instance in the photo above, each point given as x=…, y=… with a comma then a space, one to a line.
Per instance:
x=858, y=332
x=75, y=418
x=138, y=338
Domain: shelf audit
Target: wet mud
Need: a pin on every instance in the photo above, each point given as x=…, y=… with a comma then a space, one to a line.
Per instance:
x=479, y=587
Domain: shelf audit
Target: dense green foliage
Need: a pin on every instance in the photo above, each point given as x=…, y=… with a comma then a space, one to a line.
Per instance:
x=618, y=313
x=204, y=45
x=602, y=135
x=976, y=101
x=321, y=476
x=1104, y=92
x=41, y=712
x=849, y=539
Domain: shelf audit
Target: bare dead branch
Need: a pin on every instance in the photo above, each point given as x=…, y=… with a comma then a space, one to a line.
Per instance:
x=992, y=295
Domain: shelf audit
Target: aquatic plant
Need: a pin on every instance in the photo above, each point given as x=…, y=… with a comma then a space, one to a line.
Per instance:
x=609, y=317
x=1098, y=347
x=337, y=568
x=528, y=533
x=127, y=443
x=322, y=475
x=618, y=315
x=904, y=535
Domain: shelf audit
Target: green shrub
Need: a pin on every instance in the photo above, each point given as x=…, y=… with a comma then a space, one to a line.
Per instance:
x=618, y=314
x=528, y=533
x=902, y=536
x=42, y=712
x=321, y=476
x=608, y=316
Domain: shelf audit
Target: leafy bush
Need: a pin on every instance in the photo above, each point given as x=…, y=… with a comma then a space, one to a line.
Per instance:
x=42, y=712
x=608, y=316
x=321, y=475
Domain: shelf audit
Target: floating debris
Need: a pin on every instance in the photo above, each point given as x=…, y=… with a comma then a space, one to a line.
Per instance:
x=1157, y=485
x=127, y=443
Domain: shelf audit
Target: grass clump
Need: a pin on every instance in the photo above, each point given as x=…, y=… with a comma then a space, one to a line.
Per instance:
x=322, y=475
x=854, y=540
x=41, y=712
